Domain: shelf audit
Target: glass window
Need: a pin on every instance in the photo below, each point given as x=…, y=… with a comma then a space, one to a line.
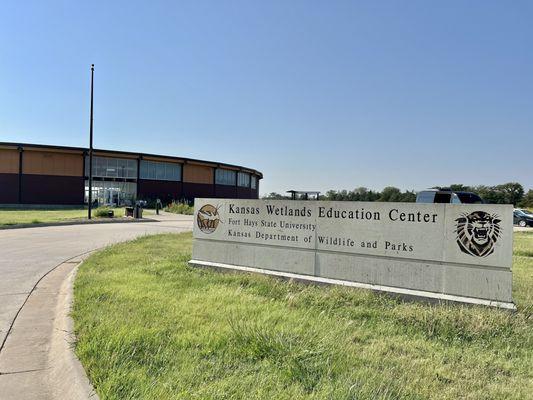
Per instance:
x=243, y=179
x=254, y=182
x=99, y=166
x=150, y=170
x=443, y=197
x=131, y=169
x=145, y=170
x=107, y=167
x=122, y=166
x=172, y=172
x=160, y=171
x=225, y=177
x=111, y=169
x=470, y=198
x=425, y=197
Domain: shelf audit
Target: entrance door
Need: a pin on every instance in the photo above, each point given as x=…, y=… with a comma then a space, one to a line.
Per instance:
x=115, y=197
x=110, y=196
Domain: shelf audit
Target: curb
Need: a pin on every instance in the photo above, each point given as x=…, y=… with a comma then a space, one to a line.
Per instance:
x=77, y=222
x=67, y=373
x=37, y=359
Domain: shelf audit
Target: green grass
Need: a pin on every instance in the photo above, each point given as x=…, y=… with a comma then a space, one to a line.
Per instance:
x=9, y=216
x=150, y=327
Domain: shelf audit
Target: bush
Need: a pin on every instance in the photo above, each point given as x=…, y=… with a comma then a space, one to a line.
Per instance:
x=102, y=212
x=179, y=208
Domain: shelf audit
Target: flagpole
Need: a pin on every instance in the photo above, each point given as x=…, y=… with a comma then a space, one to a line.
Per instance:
x=91, y=149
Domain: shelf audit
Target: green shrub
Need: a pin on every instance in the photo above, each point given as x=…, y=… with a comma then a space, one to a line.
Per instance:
x=102, y=212
x=180, y=208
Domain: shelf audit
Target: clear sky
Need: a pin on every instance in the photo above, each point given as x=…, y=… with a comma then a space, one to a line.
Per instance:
x=315, y=94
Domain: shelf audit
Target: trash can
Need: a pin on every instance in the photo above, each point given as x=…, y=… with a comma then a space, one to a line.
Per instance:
x=138, y=211
x=129, y=212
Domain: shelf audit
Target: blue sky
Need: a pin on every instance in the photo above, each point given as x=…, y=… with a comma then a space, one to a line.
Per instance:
x=316, y=94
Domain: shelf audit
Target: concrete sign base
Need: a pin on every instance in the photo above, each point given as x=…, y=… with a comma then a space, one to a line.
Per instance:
x=388, y=289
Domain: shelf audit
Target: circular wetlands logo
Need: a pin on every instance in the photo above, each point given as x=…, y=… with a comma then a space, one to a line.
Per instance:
x=207, y=218
x=477, y=233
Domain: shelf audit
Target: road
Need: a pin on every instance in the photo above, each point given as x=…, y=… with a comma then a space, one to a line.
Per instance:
x=28, y=254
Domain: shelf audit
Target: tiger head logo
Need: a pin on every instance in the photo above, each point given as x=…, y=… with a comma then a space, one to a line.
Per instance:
x=477, y=233
x=208, y=218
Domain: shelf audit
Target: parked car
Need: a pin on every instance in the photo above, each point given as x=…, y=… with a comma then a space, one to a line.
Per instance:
x=446, y=195
x=522, y=218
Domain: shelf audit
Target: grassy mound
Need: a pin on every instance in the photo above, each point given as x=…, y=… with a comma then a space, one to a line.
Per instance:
x=150, y=327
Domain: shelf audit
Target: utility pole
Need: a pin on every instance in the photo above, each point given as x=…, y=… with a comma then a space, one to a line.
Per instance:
x=91, y=149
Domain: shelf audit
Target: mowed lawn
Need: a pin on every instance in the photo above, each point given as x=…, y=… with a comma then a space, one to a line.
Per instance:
x=150, y=327
x=10, y=216
x=15, y=216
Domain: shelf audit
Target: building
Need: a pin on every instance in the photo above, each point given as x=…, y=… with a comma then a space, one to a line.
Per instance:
x=43, y=174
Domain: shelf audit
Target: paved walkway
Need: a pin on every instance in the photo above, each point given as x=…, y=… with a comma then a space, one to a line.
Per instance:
x=34, y=262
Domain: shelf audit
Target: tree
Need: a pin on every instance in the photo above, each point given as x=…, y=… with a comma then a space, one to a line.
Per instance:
x=408, y=197
x=361, y=191
x=487, y=194
x=507, y=193
x=331, y=195
x=359, y=194
x=527, y=200
x=459, y=187
x=275, y=196
x=511, y=192
x=391, y=193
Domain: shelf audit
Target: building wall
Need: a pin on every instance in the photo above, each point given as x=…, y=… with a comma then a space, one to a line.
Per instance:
x=226, y=191
x=50, y=189
x=198, y=174
x=51, y=163
x=9, y=176
x=9, y=192
x=164, y=190
x=244, y=192
x=56, y=176
x=51, y=177
x=9, y=161
x=192, y=190
x=198, y=181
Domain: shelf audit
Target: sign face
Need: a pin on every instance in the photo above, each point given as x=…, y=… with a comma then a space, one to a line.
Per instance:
x=457, y=250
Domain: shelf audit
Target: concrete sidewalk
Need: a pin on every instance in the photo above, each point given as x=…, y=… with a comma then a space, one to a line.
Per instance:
x=36, y=267
x=37, y=361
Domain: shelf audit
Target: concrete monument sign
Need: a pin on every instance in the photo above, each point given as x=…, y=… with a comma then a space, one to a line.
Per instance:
x=442, y=251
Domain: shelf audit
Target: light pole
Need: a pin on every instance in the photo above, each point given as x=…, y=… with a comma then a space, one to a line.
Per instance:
x=91, y=148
